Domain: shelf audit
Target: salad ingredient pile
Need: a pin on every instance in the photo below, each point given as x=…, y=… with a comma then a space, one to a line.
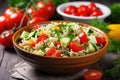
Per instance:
x=61, y=39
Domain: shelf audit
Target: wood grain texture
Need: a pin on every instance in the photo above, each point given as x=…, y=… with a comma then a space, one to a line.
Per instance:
x=10, y=58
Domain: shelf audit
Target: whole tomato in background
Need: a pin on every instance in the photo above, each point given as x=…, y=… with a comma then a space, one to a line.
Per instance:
x=6, y=38
x=14, y=17
x=2, y=23
x=42, y=10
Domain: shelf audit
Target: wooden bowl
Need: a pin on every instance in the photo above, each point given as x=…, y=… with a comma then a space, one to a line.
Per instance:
x=59, y=65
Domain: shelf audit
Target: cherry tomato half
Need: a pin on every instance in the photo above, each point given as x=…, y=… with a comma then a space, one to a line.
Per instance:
x=100, y=40
x=70, y=9
x=83, y=37
x=93, y=75
x=76, y=46
x=6, y=39
x=41, y=38
x=53, y=52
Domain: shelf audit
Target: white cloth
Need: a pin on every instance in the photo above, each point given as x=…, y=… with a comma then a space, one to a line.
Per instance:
x=24, y=71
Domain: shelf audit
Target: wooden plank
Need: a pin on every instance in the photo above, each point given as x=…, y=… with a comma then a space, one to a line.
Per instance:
x=9, y=60
x=1, y=53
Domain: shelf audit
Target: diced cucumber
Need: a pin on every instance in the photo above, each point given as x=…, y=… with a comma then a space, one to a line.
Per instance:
x=91, y=47
x=40, y=52
x=31, y=34
x=71, y=23
x=24, y=34
x=65, y=41
x=92, y=39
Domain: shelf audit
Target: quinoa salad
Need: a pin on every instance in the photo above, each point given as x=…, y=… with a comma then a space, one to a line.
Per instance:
x=61, y=39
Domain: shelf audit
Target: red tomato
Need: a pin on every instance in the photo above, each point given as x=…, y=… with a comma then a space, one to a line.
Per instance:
x=82, y=10
x=83, y=37
x=14, y=20
x=41, y=38
x=96, y=13
x=75, y=14
x=41, y=13
x=100, y=40
x=50, y=9
x=91, y=7
x=2, y=24
x=11, y=11
x=70, y=9
x=53, y=52
x=40, y=4
x=57, y=43
x=6, y=38
x=93, y=75
x=36, y=20
x=76, y=46
x=31, y=10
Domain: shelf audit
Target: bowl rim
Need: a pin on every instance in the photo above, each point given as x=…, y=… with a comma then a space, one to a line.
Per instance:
x=46, y=22
x=80, y=17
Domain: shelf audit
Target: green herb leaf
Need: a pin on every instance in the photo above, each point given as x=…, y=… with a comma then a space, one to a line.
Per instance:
x=114, y=45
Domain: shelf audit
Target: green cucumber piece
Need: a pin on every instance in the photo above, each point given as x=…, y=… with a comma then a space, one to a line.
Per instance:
x=91, y=47
x=24, y=34
x=32, y=34
x=92, y=39
x=65, y=41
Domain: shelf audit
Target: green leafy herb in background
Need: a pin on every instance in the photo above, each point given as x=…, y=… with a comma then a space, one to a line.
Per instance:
x=114, y=45
x=115, y=13
x=115, y=71
x=19, y=3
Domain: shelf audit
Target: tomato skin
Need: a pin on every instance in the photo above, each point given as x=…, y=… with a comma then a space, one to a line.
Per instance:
x=93, y=75
x=6, y=40
x=50, y=9
x=70, y=9
x=96, y=13
x=100, y=40
x=82, y=10
x=31, y=10
x=41, y=13
x=76, y=46
x=83, y=37
x=2, y=24
x=11, y=10
x=58, y=43
x=40, y=4
x=75, y=14
x=53, y=52
x=36, y=20
x=45, y=10
x=14, y=20
x=91, y=7
x=41, y=38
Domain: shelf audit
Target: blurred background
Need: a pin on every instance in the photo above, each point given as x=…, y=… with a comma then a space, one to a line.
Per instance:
x=4, y=3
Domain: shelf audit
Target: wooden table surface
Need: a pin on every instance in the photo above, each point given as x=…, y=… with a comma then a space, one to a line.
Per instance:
x=8, y=57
